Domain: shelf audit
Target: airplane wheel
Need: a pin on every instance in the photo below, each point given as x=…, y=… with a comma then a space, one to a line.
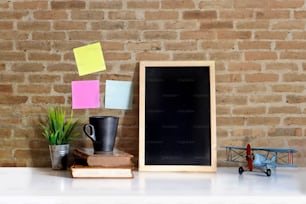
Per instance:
x=240, y=170
x=268, y=172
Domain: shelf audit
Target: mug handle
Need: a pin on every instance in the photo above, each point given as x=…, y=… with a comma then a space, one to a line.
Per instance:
x=91, y=134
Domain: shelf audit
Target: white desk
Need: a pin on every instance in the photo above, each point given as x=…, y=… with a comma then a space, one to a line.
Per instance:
x=43, y=185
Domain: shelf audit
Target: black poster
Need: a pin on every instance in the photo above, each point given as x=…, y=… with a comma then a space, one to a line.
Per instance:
x=177, y=116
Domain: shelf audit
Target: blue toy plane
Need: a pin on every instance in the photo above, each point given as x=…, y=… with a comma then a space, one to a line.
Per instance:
x=264, y=159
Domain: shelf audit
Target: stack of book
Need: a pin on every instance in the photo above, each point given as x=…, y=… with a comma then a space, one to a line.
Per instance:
x=116, y=164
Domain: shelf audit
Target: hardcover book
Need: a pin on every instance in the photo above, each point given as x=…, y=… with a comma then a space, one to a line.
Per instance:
x=117, y=158
x=80, y=171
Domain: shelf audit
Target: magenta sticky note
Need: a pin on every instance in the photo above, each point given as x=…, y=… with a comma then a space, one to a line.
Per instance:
x=85, y=94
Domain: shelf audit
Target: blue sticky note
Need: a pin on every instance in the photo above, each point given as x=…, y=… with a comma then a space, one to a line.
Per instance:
x=85, y=94
x=118, y=94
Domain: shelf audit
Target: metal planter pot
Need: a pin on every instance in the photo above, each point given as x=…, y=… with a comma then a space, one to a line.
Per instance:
x=59, y=156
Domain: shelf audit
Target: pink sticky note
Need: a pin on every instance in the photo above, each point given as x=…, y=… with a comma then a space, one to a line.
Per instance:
x=85, y=94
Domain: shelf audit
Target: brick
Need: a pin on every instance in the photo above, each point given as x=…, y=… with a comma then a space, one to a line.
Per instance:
x=251, y=4
x=187, y=56
x=266, y=99
x=31, y=5
x=122, y=15
x=43, y=56
x=162, y=35
x=48, y=35
x=161, y=15
x=215, y=45
x=87, y=15
x=294, y=77
x=261, y=77
x=244, y=66
x=300, y=14
x=234, y=35
x=117, y=56
x=285, y=132
x=152, y=56
x=194, y=35
x=180, y=45
x=11, y=78
x=12, y=56
x=33, y=45
x=287, y=4
x=33, y=111
x=288, y=88
x=228, y=78
x=6, y=88
x=13, y=14
x=216, y=25
x=84, y=35
x=270, y=35
x=263, y=120
x=231, y=100
x=68, y=4
x=48, y=99
x=61, y=67
x=68, y=25
x=144, y=46
x=284, y=110
x=107, y=25
x=13, y=35
x=113, y=4
x=6, y=45
x=188, y=25
x=6, y=25
x=143, y=4
x=216, y=4
x=288, y=25
x=62, y=88
x=50, y=15
x=27, y=67
x=113, y=45
x=66, y=45
x=44, y=78
x=33, y=89
x=298, y=35
x=197, y=14
x=260, y=55
x=230, y=121
x=236, y=14
x=295, y=120
x=292, y=45
x=249, y=132
x=10, y=100
x=272, y=14
x=282, y=66
x=30, y=26
x=225, y=56
x=2, y=67
x=293, y=55
x=253, y=25
x=291, y=99
x=249, y=110
x=251, y=89
x=177, y=4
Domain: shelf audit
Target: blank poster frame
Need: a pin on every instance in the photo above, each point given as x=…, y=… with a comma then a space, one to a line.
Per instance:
x=147, y=166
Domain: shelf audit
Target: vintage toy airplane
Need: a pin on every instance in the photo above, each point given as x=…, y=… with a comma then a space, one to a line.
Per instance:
x=264, y=159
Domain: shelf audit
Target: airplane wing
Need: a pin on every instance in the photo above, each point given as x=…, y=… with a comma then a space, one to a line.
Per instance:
x=275, y=150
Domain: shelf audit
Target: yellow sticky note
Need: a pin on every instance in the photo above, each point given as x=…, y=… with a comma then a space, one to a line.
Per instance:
x=89, y=58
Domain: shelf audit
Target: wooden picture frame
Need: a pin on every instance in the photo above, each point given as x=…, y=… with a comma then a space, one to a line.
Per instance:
x=177, y=116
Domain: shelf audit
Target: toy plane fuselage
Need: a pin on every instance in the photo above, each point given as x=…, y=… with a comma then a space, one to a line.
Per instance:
x=260, y=158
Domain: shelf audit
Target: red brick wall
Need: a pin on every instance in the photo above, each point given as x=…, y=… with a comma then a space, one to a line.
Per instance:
x=259, y=49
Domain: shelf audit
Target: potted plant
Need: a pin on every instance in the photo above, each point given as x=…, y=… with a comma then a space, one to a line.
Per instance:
x=59, y=131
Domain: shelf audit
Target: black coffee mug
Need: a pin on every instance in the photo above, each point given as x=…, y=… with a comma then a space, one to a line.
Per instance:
x=102, y=131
